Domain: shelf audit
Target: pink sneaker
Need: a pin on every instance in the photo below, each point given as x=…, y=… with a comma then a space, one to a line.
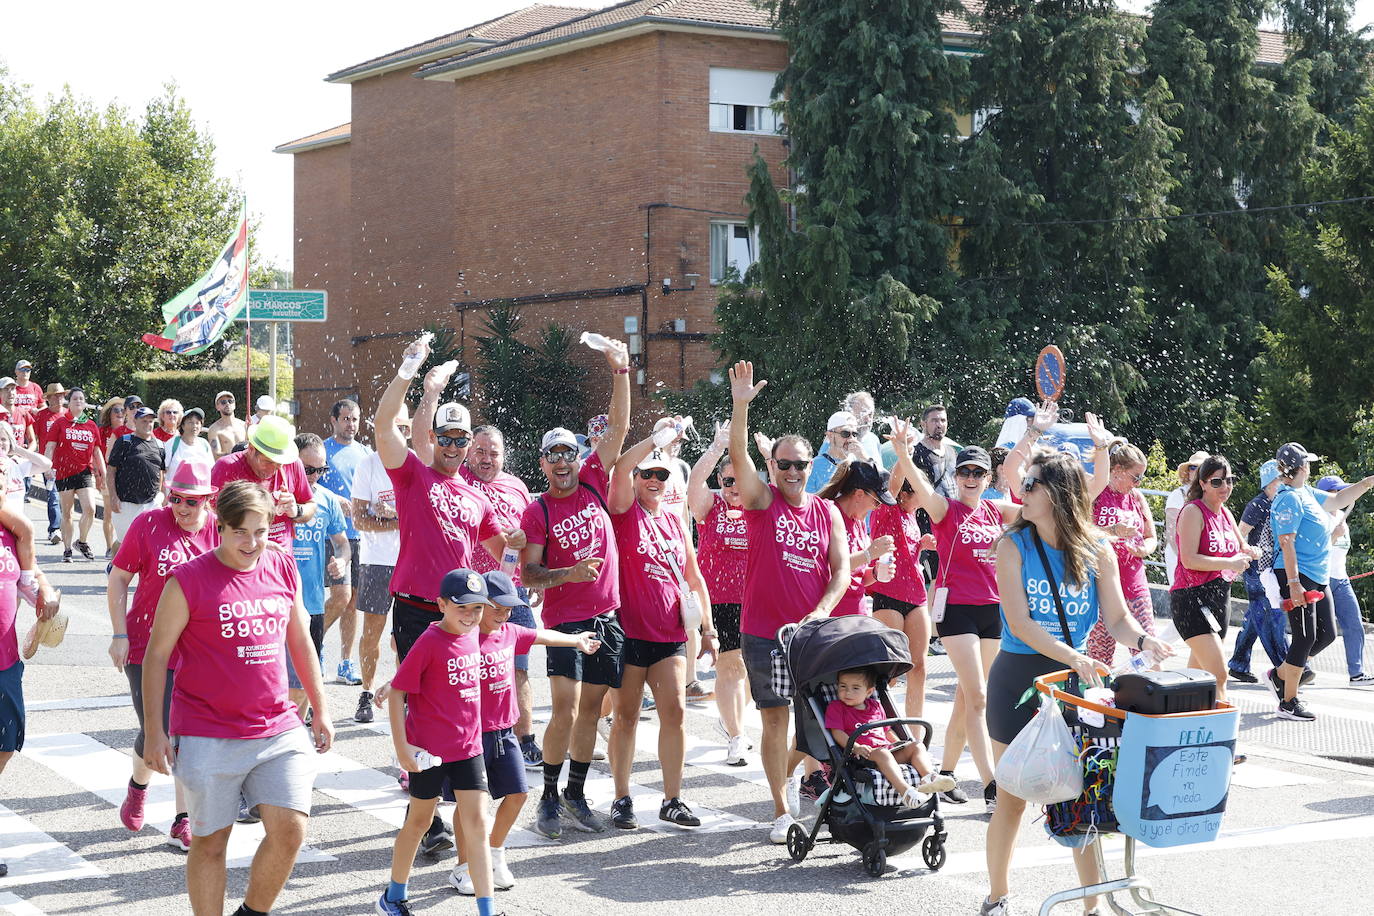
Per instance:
x=131, y=812
x=180, y=836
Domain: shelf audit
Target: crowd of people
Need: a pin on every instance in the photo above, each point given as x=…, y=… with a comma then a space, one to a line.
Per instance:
x=245, y=542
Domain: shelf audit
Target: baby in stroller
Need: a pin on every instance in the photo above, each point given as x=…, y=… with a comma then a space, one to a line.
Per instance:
x=857, y=704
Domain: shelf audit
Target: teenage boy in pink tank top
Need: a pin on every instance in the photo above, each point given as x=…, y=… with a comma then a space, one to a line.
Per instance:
x=797, y=569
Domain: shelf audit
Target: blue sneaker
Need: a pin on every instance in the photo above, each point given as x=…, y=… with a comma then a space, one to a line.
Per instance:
x=549, y=822
x=581, y=812
x=348, y=673
x=393, y=907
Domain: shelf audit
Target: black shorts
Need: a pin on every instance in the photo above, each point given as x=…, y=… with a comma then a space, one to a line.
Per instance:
x=504, y=765
x=603, y=667
x=462, y=775
x=1201, y=609
x=981, y=620
x=725, y=618
x=12, y=708
x=353, y=564
x=1012, y=674
x=883, y=602
x=408, y=620
x=644, y=653
x=76, y=482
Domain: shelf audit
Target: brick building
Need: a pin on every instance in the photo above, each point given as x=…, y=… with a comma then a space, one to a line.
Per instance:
x=587, y=164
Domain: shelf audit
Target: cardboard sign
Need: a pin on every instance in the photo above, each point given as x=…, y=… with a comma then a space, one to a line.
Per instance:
x=1050, y=373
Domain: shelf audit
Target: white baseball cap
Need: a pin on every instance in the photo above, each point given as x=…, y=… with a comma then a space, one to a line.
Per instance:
x=841, y=419
x=558, y=436
x=266, y=403
x=452, y=416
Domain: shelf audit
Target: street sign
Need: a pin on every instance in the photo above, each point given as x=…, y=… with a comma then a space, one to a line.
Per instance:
x=1050, y=373
x=287, y=304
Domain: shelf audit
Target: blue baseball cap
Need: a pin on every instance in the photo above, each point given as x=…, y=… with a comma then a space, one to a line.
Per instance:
x=502, y=589
x=464, y=586
x=1331, y=484
x=1269, y=472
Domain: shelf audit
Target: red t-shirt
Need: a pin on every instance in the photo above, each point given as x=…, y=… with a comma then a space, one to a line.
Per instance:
x=499, y=648
x=21, y=421
x=443, y=524
x=723, y=551
x=649, y=593
x=968, y=562
x=43, y=421
x=908, y=583
x=856, y=533
x=9, y=600
x=441, y=678
x=508, y=496
x=578, y=527
x=848, y=718
x=291, y=477
x=162, y=435
x=789, y=563
x=231, y=682
x=29, y=396
x=155, y=545
x=108, y=434
x=76, y=446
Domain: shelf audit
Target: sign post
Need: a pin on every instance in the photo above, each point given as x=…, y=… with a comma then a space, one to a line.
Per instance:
x=278, y=305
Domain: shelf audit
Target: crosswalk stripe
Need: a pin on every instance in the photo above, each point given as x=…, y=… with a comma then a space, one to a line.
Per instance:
x=17, y=906
x=34, y=857
x=103, y=771
x=79, y=703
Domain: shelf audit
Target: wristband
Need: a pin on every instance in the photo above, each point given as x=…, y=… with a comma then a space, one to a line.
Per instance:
x=623, y=371
x=121, y=636
x=1140, y=643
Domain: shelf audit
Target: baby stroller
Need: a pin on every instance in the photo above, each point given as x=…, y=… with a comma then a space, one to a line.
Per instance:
x=860, y=808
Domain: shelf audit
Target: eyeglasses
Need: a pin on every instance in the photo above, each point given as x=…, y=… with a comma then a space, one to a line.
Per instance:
x=1135, y=478
x=453, y=441
x=845, y=433
x=972, y=473
x=1029, y=483
x=787, y=464
x=1217, y=483
x=319, y=470
x=190, y=501
x=727, y=481
x=562, y=456
x=653, y=474
x=225, y=401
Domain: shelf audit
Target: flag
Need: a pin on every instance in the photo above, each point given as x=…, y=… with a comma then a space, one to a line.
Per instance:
x=198, y=315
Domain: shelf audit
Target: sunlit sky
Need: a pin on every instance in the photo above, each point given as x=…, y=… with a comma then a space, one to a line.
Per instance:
x=252, y=72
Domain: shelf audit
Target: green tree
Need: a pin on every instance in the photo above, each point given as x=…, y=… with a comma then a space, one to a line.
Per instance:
x=103, y=217
x=1319, y=31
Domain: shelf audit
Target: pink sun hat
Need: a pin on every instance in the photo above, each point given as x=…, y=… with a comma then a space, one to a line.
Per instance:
x=192, y=478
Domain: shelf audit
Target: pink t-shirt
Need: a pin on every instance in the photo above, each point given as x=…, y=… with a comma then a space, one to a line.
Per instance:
x=508, y=496
x=154, y=545
x=43, y=422
x=9, y=599
x=577, y=527
x=76, y=446
x=856, y=534
x=848, y=718
x=968, y=563
x=723, y=551
x=499, y=648
x=908, y=583
x=1113, y=508
x=291, y=477
x=649, y=593
x=789, y=563
x=1217, y=539
x=231, y=682
x=443, y=524
x=441, y=678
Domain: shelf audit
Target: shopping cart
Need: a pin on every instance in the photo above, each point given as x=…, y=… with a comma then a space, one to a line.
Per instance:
x=1161, y=780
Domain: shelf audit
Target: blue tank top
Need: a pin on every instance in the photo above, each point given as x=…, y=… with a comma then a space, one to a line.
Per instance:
x=1080, y=603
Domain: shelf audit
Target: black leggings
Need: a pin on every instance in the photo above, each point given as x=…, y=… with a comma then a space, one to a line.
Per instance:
x=1313, y=625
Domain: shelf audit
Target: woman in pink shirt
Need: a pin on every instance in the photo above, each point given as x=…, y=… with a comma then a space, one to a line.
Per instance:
x=1121, y=511
x=1211, y=554
x=157, y=541
x=658, y=566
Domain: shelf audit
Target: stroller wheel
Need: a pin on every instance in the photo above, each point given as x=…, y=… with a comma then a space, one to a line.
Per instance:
x=875, y=859
x=797, y=845
x=933, y=852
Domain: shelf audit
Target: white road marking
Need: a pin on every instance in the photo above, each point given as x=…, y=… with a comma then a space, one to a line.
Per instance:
x=18, y=906
x=34, y=857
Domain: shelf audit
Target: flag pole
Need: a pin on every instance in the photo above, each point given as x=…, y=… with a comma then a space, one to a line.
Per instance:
x=248, y=334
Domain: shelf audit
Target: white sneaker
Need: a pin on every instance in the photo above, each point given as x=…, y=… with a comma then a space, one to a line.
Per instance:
x=1000, y=907
x=501, y=877
x=793, y=796
x=780, y=827
x=734, y=752
x=461, y=880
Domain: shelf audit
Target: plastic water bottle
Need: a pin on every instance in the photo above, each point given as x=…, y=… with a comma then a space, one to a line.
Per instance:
x=597, y=341
x=886, y=568
x=450, y=367
x=1136, y=664
x=411, y=364
x=670, y=432
x=509, y=558
x=425, y=760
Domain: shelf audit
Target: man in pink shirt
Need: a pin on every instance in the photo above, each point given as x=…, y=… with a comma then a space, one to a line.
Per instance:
x=272, y=461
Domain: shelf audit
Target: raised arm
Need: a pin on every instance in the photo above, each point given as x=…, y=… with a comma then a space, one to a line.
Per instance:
x=622, y=492
x=753, y=492
x=436, y=380
x=1046, y=415
x=391, y=445
x=903, y=438
x=1335, y=502
x=699, y=496
x=1102, y=463
x=618, y=417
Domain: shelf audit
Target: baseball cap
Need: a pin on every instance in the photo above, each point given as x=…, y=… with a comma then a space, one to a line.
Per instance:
x=221, y=394
x=7, y=381
x=558, y=436
x=655, y=459
x=133, y=400
x=1268, y=472
x=192, y=477
x=976, y=456
x=452, y=416
x=22, y=365
x=265, y=402
x=501, y=590
x=1331, y=484
x=464, y=586
x=841, y=419
x=193, y=412
x=275, y=438
x=866, y=476
x=1292, y=455
x=143, y=412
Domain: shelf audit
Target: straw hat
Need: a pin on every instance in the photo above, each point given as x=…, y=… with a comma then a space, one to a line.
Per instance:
x=1195, y=460
x=46, y=633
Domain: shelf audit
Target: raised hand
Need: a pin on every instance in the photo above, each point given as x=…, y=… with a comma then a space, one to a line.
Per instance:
x=618, y=355
x=437, y=379
x=903, y=434
x=1096, y=431
x=1046, y=415
x=763, y=444
x=721, y=440
x=742, y=387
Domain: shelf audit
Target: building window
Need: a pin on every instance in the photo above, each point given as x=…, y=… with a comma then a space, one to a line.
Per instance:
x=741, y=101
x=733, y=246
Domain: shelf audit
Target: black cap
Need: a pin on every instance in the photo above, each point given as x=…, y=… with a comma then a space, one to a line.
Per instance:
x=1293, y=455
x=976, y=456
x=866, y=476
x=502, y=590
x=464, y=586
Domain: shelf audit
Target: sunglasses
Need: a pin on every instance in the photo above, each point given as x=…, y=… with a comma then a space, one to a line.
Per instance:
x=1029, y=483
x=1217, y=483
x=973, y=473
x=727, y=481
x=453, y=441
x=319, y=470
x=562, y=456
x=845, y=433
x=1135, y=478
x=653, y=474
x=787, y=464
x=190, y=501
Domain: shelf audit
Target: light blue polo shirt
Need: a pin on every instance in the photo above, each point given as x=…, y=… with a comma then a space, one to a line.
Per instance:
x=1299, y=512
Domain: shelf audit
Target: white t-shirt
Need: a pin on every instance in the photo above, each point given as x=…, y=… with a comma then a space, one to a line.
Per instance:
x=15, y=472
x=371, y=483
x=1335, y=559
x=175, y=451
x=1175, y=503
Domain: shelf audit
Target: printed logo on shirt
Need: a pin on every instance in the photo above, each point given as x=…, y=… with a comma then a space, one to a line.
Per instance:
x=1076, y=600
x=495, y=668
x=168, y=558
x=801, y=549
x=977, y=529
x=78, y=434
x=254, y=617
x=734, y=532
x=502, y=503
x=464, y=670
x=657, y=559
x=454, y=511
x=581, y=531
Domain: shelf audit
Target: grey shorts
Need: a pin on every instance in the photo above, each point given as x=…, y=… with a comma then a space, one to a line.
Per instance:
x=277, y=771
x=758, y=663
x=374, y=589
x=353, y=564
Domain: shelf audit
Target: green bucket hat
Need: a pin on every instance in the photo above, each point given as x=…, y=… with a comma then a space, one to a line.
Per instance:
x=275, y=438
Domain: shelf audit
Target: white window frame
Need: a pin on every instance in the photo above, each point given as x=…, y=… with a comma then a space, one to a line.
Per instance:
x=745, y=94
x=719, y=268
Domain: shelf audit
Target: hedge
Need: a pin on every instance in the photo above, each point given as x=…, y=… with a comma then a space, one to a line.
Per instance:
x=198, y=389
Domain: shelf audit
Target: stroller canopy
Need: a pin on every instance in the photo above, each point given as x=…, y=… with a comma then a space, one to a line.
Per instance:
x=823, y=648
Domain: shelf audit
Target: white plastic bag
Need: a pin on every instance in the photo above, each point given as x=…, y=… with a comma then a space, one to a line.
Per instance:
x=1041, y=763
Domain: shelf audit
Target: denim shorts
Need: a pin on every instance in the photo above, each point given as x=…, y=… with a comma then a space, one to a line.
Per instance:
x=758, y=664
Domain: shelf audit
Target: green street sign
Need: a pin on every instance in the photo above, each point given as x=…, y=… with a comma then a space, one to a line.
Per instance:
x=287, y=304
